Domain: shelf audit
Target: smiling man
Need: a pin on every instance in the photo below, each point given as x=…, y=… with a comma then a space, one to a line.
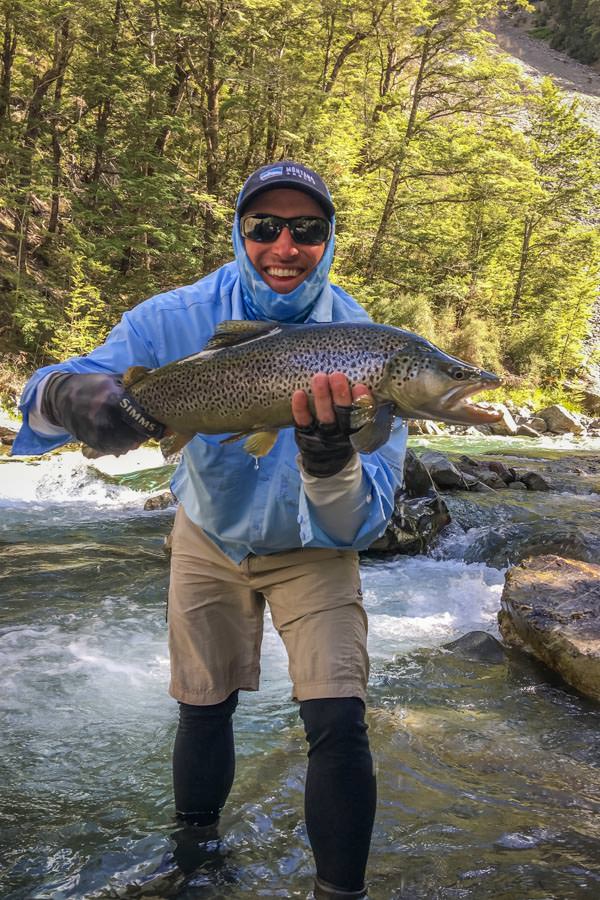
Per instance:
x=285, y=532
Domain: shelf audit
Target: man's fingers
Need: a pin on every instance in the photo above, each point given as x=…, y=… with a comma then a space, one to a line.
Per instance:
x=327, y=391
x=301, y=410
x=360, y=390
x=321, y=392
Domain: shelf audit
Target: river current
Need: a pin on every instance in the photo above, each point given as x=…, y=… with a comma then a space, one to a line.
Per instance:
x=488, y=772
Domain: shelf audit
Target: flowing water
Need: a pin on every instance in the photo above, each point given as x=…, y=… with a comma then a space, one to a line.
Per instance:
x=488, y=772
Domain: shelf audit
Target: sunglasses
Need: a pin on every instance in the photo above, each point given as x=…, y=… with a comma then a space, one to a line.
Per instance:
x=265, y=228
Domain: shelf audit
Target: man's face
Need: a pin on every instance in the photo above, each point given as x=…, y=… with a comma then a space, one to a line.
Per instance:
x=284, y=264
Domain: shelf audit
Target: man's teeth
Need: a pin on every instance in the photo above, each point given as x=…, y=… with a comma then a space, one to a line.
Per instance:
x=283, y=273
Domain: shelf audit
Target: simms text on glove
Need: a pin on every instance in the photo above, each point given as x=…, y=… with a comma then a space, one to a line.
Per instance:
x=97, y=410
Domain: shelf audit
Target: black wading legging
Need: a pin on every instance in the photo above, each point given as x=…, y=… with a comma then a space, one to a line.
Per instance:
x=340, y=783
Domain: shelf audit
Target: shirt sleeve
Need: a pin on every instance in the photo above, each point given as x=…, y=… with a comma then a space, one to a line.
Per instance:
x=353, y=522
x=129, y=343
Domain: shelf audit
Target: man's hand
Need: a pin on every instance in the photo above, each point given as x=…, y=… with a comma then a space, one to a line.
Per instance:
x=90, y=408
x=324, y=442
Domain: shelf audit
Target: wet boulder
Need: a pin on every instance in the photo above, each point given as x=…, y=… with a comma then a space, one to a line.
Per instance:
x=417, y=480
x=551, y=609
x=479, y=646
x=533, y=481
x=537, y=424
x=7, y=436
x=414, y=524
x=508, y=544
x=161, y=501
x=444, y=473
x=560, y=420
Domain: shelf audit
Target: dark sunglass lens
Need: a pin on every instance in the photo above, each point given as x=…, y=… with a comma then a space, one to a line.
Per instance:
x=264, y=230
x=306, y=230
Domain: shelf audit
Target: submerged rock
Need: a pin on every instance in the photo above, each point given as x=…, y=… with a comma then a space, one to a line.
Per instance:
x=478, y=645
x=509, y=544
x=551, y=608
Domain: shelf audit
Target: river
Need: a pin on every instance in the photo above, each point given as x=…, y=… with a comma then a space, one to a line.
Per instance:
x=489, y=784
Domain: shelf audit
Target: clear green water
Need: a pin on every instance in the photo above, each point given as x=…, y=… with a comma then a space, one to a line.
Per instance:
x=489, y=774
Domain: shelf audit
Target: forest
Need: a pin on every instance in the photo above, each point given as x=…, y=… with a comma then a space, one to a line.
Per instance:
x=572, y=26
x=466, y=194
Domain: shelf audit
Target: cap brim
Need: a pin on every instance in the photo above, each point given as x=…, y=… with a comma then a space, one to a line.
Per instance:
x=273, y=185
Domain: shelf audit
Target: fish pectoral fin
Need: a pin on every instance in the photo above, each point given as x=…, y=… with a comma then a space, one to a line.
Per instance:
x=376, y=432
x=173, y=443
x=90, y=453
x=235, y=437
x=260, y=443
x=134, y=374
x=364, y=410
x=233, y=332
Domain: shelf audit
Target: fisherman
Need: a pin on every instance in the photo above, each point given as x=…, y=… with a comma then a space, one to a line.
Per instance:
x=285, y=531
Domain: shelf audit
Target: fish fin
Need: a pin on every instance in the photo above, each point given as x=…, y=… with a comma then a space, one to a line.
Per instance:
x=376, y=432
x=260, y=443
x=364, y=410
x=235, y=437
x=233, y=332
x=134, y=374
x=173, y=443
x=90, y=453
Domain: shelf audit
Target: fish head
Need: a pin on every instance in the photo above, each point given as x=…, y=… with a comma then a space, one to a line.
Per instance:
x=426, y=383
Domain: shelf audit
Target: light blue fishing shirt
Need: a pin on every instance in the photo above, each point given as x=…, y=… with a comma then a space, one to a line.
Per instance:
x=245, y=506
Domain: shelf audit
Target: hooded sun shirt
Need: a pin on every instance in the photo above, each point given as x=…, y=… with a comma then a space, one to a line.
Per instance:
x=245, y=506
x=313, y=299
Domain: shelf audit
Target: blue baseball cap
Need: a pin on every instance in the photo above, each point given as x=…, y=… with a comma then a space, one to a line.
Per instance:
x=286, y=174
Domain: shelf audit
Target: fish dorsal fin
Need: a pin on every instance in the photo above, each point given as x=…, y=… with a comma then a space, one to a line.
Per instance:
x=134, y=374
x=234, y=331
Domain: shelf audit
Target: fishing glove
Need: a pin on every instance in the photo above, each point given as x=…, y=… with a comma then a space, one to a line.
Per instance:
x=96, y=410
x=325, y=448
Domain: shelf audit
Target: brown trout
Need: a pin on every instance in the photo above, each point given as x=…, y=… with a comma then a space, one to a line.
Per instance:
x=243, y=380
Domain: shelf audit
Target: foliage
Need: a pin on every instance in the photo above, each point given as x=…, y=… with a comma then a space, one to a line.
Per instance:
x=465, y=195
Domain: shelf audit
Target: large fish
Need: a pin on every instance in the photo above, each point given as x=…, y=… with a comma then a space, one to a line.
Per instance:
x=243, y=380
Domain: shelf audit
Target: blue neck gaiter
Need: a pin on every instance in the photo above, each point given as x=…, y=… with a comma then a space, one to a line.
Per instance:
x=311, y=300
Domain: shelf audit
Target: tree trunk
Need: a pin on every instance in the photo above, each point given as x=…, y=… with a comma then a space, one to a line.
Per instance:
x=9, y=49
x=515, y=311
x=33, y=126
x=373, y=258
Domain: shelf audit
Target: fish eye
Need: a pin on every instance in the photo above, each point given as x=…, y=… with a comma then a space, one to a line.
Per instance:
x=458, y=373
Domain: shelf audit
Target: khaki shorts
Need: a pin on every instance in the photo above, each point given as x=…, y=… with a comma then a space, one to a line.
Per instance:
x=216, y=619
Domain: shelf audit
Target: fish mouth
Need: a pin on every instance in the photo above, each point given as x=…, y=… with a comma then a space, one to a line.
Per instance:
x=456, y=405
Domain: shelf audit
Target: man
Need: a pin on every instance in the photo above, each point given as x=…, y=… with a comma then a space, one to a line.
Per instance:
x=285, y=531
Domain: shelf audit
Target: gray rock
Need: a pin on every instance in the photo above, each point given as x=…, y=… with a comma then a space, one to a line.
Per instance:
x=560, y=420
x=492, y=479
x=479, y=646
x=517, y=486
x=537, y=423
x=551, y=608
x=483, y=429
x=414, y=524
x=161, y=501
x=444, y=473
x=417, y=480
x=526, y=431
x=507, y=424
x=7, y=436
x=534, y=482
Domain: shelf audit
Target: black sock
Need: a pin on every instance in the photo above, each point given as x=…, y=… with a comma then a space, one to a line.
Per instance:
x=203, y=760
x=340, y=796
